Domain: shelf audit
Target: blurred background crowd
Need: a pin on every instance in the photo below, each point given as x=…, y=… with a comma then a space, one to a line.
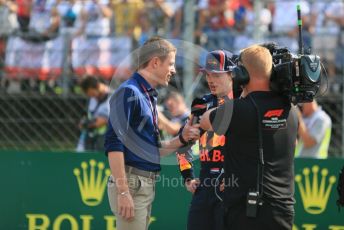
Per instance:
x=47, y=47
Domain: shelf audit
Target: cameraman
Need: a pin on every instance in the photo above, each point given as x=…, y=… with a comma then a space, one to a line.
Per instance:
x=206, y=210
x=93, y=126
x=259, y=114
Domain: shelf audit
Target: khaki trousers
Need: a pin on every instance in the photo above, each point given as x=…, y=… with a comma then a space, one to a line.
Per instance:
x=142, y=190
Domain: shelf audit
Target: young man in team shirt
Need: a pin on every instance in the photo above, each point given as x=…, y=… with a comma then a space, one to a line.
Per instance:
x=206, y=211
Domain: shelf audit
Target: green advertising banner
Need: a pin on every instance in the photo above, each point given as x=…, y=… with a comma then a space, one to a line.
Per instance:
x=55, y=191
x=316, y=194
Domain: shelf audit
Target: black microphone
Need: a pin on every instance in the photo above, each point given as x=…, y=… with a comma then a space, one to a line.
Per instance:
x=198, y=108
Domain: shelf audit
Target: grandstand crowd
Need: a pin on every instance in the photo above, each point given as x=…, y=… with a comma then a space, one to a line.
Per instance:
x=42, y=40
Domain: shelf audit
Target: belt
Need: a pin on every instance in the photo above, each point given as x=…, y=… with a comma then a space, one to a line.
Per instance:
x=140, y=172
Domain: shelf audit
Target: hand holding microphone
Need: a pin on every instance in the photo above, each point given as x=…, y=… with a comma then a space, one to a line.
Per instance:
x=198, y=107
x=190, y=132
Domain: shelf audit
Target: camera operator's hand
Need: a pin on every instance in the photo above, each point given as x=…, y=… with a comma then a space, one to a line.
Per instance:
x=191, y=185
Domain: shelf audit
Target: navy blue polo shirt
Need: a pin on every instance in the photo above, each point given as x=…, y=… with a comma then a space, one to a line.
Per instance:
x=131, y=127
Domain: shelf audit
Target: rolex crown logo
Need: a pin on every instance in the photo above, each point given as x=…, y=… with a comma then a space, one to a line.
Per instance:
x=315, y=196
x=92, y=180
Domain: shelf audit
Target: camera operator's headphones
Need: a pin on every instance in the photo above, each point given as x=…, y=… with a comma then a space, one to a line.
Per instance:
x=240, y=74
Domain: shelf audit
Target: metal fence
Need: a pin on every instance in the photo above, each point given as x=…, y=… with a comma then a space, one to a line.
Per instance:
x=40, y=122
x=333, y=105
x=42, y=110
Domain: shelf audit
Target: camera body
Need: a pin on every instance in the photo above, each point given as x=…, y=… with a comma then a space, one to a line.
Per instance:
x=84, y=122
x=85, y=125
x=297, y=77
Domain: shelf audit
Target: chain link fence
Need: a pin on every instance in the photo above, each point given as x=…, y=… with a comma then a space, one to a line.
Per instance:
x=40, y=122
x=41, y=110
x=333, y=105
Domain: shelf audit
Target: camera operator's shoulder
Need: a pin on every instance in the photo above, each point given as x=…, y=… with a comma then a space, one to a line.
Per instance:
x=242, y=102
x=242, y=106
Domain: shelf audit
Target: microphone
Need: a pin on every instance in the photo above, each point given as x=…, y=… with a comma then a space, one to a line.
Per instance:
x=198, y=107
x=299, y=23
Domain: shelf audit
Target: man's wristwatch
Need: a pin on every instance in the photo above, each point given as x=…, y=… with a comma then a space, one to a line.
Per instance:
x=182, y=140
x=124, y=193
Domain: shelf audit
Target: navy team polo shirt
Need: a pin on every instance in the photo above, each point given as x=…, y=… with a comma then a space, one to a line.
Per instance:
x=131, y=127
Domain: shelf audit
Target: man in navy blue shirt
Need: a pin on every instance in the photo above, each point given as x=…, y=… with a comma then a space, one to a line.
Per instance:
x=132, y=142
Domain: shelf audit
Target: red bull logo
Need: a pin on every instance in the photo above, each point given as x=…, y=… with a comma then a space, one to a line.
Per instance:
x=213, y=142
x=215, y=157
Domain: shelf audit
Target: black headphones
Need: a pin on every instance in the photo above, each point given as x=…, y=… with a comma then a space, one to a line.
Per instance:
x=240, y=74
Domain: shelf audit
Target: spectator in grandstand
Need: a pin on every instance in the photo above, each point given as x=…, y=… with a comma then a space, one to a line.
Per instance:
x=95, y=18
x=23, y=14
x=314, y=131
x=126, y=17
x=93, y=50
x=93, y=125
x=327, y=19
x=247, y=22
x=284, y=23
x=71, y=16
x=44, y=21
x=179, y=113
x=216, y=21
x=337, y=16
x=39, y=22
x=176, y=25
x=8, y=23
x=155, y=17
